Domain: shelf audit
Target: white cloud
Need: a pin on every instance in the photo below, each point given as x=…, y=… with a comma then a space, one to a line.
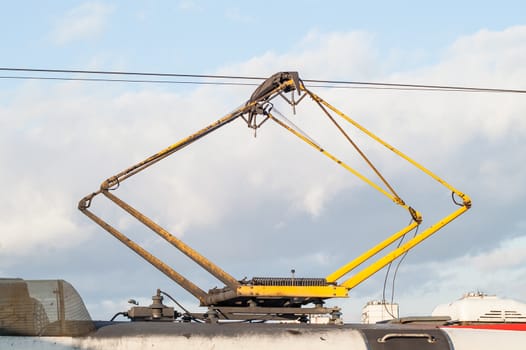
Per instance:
x=71, y=137
x=36, y=217
x=508, y=255
x=271, y=166
x=313, y=200
x=84, y=21
x=331, y=55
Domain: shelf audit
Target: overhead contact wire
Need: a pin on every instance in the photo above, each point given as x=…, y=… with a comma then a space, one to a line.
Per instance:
x=333, y=83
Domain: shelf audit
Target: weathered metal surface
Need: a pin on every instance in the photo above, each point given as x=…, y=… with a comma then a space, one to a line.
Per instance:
x=284, y=291
x=408, y=338
x=169, y=336
x=159, y=264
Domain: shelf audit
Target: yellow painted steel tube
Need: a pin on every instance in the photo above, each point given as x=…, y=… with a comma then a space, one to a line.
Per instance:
x=342, y=271
x=206, y=264
x=160, y=265
x=114, y=180
x=338, y=161
x=317, y=98
x=376, y=266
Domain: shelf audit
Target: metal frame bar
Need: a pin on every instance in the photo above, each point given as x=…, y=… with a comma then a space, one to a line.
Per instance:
x=113, y=183
x=258, y=105
x=389, y=257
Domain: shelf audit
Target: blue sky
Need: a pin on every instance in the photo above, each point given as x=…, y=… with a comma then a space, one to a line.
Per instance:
x=201, y=36
x=232, y=197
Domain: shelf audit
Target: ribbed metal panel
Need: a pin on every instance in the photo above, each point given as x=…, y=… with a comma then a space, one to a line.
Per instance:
x=288, y=281
x=48, y=307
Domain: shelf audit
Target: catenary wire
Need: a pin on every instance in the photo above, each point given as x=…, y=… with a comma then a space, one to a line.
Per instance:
x=127, y=80
x=154, y=81
x=419, y=86
x=327, y=83
x=72, y=71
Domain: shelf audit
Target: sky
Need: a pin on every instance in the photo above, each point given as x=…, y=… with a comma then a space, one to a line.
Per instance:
x=261, y=206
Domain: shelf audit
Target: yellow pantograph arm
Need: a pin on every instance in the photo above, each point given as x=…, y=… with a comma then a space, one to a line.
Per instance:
x=333, y=277
x=389, y=257
x=319, y=100
x=345, y=269
x=113, y=183
x=338, y=161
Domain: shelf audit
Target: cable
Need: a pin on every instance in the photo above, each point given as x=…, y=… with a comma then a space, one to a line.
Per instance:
x=188, y=313
x=419, y=86
x=394, y=276
x=397, y=266
x=455, y=201
x=175, y=301
x=118, y=314
x=40, y=70
x=338, y=83
x=385, y=282
x=127, y=80
x=153, y=81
